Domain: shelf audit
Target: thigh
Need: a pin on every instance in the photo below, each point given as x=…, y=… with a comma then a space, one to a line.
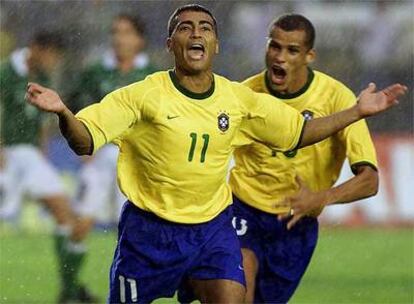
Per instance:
x=94, y=191
x=218, y=291
x=251, y=267
x=219, y=260
x=147, y=264
x=40, y=178
x=11, y=187
x=286, y=258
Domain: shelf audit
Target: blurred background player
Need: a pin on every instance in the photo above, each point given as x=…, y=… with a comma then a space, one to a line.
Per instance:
x=123, y=64
x=25, y=170
x=276, y=252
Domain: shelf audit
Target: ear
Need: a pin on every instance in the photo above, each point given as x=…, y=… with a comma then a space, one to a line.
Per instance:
x=169, y=44
x=310, y=56
x=217, y=50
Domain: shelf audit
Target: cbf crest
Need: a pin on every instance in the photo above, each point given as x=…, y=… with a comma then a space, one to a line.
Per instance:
x=223, y=121
x=308, y=115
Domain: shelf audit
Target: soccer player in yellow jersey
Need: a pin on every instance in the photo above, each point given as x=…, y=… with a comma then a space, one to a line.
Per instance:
x=276, y=252
x=176, y=131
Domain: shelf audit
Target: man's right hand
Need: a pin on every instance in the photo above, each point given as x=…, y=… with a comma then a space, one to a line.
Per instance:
x=44, y=99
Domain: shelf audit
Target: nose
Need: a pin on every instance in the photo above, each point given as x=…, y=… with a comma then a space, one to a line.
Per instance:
x=196, y=33
x=280, y=56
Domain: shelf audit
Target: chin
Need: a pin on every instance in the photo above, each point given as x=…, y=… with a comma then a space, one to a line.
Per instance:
x=279, y=87
x=197, y=68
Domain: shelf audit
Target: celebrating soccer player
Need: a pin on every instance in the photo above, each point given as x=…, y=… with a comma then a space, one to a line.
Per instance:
x=276, y=252
x=176, y=131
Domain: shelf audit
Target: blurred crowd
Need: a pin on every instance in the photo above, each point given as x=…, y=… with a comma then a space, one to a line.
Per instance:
x=357, y=41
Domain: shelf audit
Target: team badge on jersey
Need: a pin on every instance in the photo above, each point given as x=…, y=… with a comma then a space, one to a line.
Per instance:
x=223, y=121
x=308, y=115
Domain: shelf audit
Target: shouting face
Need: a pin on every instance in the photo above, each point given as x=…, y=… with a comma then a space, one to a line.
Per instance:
x=194, y=42
x=287, y=57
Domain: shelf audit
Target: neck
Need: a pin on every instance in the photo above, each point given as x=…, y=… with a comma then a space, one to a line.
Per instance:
x=197, y=83
x=302, y=83
x=125, y=64
x=301, y=80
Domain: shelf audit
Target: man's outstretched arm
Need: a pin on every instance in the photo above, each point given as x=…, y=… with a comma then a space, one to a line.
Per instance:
x=72, y=129
x=369, y=103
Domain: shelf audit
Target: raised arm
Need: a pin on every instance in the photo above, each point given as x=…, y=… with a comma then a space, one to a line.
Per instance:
x=72, y=129
x=369, y=103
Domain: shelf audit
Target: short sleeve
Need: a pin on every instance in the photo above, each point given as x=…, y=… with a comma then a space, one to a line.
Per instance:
x=270, y=121
x=116, y=113
x=356, y=138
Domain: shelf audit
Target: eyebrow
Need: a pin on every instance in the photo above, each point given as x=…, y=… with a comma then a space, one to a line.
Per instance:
x=191, y=23
x=270, y=40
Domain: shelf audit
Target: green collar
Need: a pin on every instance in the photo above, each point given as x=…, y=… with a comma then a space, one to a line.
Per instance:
x=311, y=75
x=187, y=92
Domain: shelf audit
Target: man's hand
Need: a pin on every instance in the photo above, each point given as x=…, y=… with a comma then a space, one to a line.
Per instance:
x=302, y=203
x=44, y=99
x=371, y=102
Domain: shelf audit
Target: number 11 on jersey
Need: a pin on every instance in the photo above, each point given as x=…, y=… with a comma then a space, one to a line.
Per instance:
x=193, y=137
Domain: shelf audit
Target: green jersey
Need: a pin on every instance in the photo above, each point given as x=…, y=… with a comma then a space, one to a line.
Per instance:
x=103, y=77
x=20, y=121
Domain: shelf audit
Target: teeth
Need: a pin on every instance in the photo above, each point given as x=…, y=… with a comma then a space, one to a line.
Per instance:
x=197, y=46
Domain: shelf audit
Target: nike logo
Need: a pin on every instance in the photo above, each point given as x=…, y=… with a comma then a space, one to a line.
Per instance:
x=172, y=116
x=240, y=267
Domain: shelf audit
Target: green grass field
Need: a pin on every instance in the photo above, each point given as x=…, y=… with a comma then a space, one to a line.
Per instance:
x=349, y=266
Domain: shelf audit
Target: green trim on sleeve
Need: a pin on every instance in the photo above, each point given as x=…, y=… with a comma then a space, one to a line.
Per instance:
x=362, y=163
x=90, y=152
x=301, y=135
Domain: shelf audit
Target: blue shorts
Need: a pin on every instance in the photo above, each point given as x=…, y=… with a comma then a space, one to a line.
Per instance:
x=154, y=257
x=283, y=255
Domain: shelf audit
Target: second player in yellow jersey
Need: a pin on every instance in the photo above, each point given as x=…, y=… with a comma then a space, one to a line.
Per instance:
x=268, y=183
x=264, y=177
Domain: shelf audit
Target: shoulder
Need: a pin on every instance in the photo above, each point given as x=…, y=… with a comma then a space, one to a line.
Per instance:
x=226, y=84
x=256, y=82
x=6, y=67
x=8, y=74
x=337, y=93
x=154, y=83
x=331, y=82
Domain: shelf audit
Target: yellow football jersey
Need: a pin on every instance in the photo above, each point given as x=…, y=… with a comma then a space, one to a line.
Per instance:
x=175, y=145
x=263, y=177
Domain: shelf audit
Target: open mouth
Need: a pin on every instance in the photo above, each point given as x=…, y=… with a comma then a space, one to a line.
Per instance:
x=278, y=75
x=196, y=51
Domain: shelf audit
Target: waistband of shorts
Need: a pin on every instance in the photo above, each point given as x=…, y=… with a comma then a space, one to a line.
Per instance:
x=226, y=214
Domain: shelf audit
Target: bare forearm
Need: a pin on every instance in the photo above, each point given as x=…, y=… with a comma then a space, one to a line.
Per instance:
x=321, y=128
x=75, y=133
x=363, y=185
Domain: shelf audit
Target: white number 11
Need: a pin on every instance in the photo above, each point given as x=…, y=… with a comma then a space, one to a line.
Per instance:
x=133, y=287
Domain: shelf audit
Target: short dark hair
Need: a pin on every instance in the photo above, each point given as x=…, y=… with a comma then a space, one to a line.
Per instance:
x=295, y=22
x=173, y=21
x=135, y=21
x=49, y=39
